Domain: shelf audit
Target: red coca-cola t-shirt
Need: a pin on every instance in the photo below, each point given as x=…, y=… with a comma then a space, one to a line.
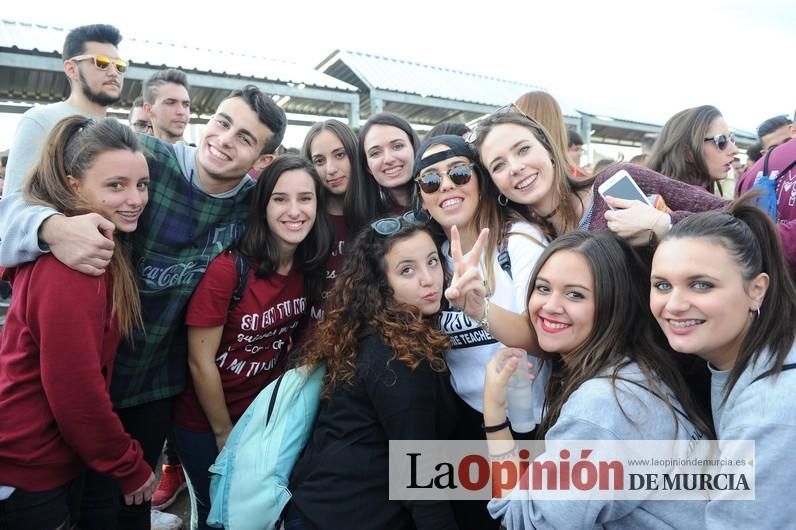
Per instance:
x=257, y=332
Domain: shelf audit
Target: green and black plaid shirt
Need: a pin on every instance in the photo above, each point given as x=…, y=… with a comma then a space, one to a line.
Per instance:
x=181, y=230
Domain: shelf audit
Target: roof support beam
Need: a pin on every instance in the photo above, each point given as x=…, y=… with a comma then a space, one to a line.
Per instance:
x=31, y=62
x=622, y=124
x=585, y=128
x=376, y=102
x=430, y=101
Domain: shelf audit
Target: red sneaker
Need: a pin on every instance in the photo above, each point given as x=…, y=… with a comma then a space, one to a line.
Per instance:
x=171, y=484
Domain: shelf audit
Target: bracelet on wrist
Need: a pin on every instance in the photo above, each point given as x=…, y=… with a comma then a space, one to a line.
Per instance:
x=653, y=234
x=496, y=428
x=484, y=322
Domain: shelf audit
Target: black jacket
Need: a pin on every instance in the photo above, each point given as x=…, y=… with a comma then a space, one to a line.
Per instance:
x=341, y=480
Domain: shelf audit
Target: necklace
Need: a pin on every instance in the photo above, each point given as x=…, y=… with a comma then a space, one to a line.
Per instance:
x=551, y=214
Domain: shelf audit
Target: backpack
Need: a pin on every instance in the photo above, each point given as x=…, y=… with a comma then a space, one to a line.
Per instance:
x=504, y=259
x=766, y=183
x=249, y=479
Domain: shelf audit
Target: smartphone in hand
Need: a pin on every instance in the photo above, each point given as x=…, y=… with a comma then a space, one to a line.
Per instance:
x=622, y=186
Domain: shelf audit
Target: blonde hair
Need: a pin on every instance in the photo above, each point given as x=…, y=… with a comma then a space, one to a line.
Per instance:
x=543, y=108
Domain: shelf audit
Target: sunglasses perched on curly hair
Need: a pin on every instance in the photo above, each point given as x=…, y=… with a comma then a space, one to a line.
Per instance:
x=432, y=181
x=103, y=62
x=388, y=226
x=722, y=140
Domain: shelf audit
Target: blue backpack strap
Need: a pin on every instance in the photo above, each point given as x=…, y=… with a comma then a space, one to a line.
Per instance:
x=242, y=271
x=504, y=259
x=767, y=189
x=784, y=170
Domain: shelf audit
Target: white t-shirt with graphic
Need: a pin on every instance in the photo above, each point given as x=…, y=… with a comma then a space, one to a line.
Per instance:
x=472, y=347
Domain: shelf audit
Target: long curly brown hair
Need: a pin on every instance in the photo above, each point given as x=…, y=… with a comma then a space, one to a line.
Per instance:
x=361, y=300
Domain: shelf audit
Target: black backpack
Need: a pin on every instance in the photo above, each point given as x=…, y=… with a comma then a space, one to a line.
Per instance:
x=242, y=271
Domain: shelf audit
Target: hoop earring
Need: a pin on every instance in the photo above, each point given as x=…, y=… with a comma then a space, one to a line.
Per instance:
x=758, y=313
x=503, y=200
x=382, y=195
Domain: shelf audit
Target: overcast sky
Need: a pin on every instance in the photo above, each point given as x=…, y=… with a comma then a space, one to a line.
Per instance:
x=633, y=59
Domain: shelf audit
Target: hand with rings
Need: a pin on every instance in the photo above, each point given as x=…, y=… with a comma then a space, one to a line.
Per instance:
x=468, y=288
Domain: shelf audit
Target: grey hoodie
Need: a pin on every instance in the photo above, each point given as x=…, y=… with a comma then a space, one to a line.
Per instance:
x=762, y=411
x=186, y=156
x=593, y=413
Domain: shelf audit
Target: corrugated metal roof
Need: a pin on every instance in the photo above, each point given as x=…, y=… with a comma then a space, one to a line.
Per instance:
x=49, y=40
x=407, y=77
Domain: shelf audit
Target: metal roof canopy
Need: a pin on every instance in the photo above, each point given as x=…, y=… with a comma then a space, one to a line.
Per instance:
x=428, y=95
x=31, y=71
x=348, y=85
x=608, y=130
x=423, y=94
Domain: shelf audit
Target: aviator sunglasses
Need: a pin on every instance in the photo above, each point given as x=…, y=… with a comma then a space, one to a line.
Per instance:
x=431, y=181
x=102, y=62
x=722, y=140
x=391, y=225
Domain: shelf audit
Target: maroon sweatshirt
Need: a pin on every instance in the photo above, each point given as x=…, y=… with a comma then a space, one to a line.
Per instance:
x=681, y=198
x=780, y=158
x=56, y=358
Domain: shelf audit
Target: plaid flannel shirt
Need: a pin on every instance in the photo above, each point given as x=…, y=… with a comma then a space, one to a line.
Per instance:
x=180, y=232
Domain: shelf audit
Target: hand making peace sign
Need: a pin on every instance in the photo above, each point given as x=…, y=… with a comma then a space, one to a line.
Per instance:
x=468, y=288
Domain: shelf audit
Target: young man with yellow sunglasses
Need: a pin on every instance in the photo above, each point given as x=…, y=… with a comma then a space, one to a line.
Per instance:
x=96, y=74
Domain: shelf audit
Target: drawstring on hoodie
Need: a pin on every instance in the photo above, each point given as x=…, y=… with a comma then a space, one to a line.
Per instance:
x=237, y=227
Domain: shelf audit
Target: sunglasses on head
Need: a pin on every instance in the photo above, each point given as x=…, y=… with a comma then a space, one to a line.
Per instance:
x=431, y=182
x=388, y=226
x=505, y=109
x=721, y=140
x=102, y=62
